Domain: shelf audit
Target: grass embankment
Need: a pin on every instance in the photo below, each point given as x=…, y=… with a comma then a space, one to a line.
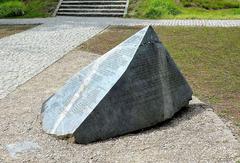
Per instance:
x=7, y=30
x=208, y=57
x=27, y=8
x=185, y=9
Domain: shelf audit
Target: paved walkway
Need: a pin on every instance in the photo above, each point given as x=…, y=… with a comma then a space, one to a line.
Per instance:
x=25, y=54
x=123, y=21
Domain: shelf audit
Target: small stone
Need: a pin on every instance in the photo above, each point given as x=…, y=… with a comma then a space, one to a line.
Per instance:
x=21, y=147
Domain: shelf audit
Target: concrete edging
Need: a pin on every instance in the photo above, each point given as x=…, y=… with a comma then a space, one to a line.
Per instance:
x=56, y=10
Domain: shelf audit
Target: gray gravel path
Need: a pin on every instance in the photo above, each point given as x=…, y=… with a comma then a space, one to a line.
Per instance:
x=134, y=22
x=123, y=21
x=195, y=134
x=25, y=54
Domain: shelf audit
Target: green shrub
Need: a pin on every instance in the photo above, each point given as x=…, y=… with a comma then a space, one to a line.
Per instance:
x=27, y=8
x=35, y=8
x=236, y=11
x=158, y=8
x=11, y=8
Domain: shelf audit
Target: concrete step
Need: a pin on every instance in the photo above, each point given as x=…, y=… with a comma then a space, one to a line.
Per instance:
x=94, y=2
x=97, y=14
x=92, y=8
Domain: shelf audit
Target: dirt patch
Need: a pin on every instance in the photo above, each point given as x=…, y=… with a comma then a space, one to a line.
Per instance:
x=108, y=39
x=7, y=30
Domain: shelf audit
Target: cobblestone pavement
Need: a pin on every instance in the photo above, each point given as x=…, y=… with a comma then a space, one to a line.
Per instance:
x=123, y=21
x=25, y=54
x=195, y=134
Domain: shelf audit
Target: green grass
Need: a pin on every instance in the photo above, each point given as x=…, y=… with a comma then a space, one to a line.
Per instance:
x=157, y=8
x=208, y=57
x=211, y=4
x=185, y=9
x=27, y=8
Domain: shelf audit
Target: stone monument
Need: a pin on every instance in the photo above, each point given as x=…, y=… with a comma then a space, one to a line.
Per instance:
x=133, y=86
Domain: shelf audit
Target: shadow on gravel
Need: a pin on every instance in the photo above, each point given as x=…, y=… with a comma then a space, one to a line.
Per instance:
x=185, y=114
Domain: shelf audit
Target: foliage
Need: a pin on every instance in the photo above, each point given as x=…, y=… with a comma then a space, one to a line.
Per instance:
x=27, y=8
x=211, y=4
x=185, y=9
x=40, y=8
x=158, y=8
x=11, y=8
x=154, y=8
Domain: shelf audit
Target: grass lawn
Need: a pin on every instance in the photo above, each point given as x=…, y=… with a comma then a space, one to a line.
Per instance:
x=208, y=57
x=27, y=8
x=185, y=9
x=7, y=30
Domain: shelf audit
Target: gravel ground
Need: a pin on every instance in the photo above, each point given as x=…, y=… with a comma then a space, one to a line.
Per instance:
x=25, y=54
x=195, y=134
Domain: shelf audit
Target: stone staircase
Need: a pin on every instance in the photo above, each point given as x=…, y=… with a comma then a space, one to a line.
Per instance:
x=106, y=8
